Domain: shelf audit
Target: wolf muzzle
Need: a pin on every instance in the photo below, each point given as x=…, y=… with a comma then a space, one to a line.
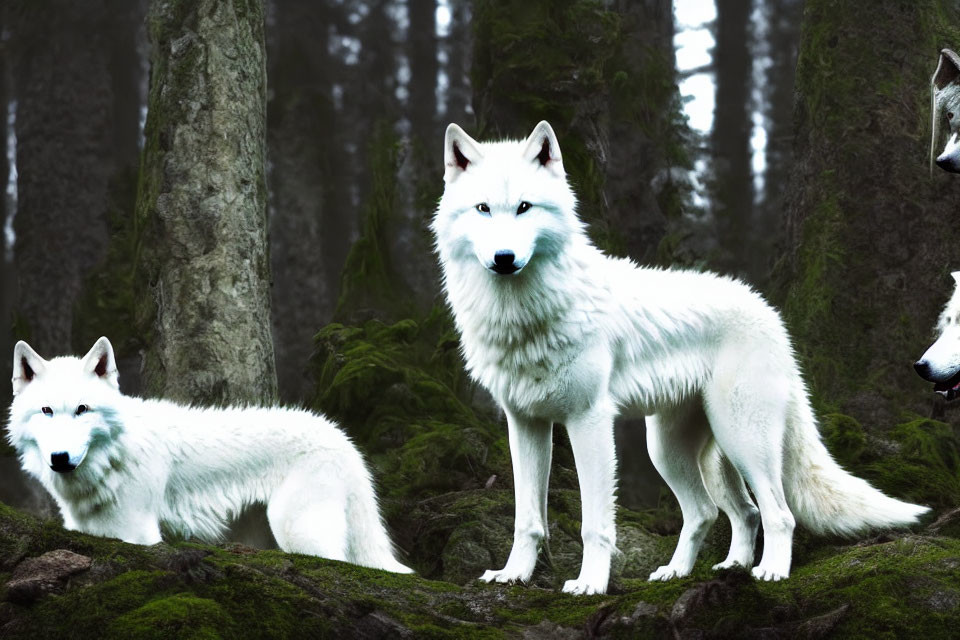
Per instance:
x=60, y=462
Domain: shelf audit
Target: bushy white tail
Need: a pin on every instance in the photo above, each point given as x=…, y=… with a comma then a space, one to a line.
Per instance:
x=369, y=545
x=825, y=498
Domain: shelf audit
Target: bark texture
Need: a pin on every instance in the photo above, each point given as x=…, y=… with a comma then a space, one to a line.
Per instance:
x=202, y=197
x=872, y=237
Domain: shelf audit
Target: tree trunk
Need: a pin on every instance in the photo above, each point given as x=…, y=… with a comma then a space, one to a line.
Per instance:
x=782, y=39
x=310, y=214
x=732, y=188
x=64, y=162
x=871, y=235
x=459, y=43
x=202, y=199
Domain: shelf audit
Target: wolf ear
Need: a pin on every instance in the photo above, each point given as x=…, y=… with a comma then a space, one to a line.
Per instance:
x=948, y=68
x=27, y=365
x=100, y=362
x=459, y=152
x=543, y=148
x=956, y=276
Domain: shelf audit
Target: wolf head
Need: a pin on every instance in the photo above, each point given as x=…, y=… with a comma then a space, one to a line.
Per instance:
x=945, y=105
x=506, y=204
x=61, y=406
x=941, y=362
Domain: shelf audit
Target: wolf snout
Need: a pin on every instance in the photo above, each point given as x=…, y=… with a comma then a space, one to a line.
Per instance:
x=922, y=367
x=949, y=163
x=60, y=462
x=503, y=262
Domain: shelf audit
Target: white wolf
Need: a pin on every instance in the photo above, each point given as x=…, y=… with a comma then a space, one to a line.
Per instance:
x=945, y=103
x=122, y=466
x=941, y=362
x=561, y=333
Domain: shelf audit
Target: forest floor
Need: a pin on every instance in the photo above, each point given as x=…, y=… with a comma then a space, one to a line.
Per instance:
x=60, y=584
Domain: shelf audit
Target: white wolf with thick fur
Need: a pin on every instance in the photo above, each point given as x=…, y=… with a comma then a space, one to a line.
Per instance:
x=558, y=332
x=940, y=364
x=121, y=466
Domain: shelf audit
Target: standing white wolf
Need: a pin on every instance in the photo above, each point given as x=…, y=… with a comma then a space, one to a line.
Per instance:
x=561, y=333
x=121, y=466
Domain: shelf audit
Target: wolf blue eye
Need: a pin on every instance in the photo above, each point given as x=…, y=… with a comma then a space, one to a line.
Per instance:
x=82, y=409
x=483, y=208
x=523, y=207
x=47, y=411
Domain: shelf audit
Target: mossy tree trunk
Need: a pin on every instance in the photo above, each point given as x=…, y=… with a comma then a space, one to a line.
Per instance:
x=70, y=143
x=202, y=202
x=872, y=236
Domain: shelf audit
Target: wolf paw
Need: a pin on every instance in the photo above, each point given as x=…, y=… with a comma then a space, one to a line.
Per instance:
x=768, y=575
x=582, y=587
x=503, y=576
x=666, y=572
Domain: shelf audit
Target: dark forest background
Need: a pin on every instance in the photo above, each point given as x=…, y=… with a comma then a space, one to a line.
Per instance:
x=237, y=193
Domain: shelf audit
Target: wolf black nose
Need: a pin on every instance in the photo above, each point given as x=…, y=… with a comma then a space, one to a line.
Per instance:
x=60, y=462
x=923, y=368
x=947, y=163
x=503, y=262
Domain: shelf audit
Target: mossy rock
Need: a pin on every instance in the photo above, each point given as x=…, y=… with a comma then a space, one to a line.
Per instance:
x=902, y=586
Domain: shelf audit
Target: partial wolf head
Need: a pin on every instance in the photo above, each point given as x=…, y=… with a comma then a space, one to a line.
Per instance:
x=505, y=204
x=941, y=362
x=62, y=406
x=945, y=104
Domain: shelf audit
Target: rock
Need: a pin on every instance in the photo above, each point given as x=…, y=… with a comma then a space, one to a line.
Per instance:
x=547, y=630
x=35, y=577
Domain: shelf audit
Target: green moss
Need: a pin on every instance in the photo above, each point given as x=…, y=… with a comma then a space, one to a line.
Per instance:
x=398, y=399
x=181, y=615
x=844, y=437
x=925, y=469
x=368, y=281
x=920, y=463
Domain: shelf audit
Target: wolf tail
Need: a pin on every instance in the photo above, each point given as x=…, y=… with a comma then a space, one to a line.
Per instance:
x=369, y=544
x=822, y=495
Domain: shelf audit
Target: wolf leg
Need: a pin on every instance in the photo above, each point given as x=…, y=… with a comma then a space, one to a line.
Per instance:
x=726, y=488
x=675, y=439
x=531, y=448
x=591, y=437
x=749, y=423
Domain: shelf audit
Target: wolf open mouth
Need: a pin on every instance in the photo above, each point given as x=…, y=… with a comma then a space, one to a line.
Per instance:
x=949, y=389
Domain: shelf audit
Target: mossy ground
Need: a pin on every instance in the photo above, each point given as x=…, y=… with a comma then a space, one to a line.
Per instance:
x=904, y=586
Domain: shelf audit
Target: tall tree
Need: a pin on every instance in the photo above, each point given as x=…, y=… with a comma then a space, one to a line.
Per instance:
x=458, y=45
x=202, y=204
x=783, y=36
x=871, y=235
x=65, y=159
x=732, y=185
x=424, y=66
x=310, y=213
